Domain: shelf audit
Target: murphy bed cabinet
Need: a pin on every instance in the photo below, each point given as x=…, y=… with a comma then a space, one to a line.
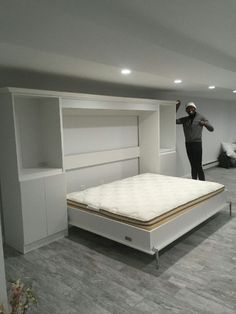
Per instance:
x=33, y=165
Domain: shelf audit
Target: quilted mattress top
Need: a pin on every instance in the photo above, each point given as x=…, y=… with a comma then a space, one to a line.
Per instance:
x=145, y=196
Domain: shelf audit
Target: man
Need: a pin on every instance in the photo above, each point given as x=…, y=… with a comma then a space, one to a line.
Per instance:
x=193, y=125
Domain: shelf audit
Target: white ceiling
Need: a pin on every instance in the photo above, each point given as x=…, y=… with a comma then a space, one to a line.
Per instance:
x=159, y=40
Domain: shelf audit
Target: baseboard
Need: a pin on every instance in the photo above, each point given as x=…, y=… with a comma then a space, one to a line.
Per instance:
x=188, y=176
x=210, y=164
x=45, y=241
x=204, y=166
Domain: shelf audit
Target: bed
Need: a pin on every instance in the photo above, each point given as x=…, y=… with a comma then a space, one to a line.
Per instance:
x=146, y=211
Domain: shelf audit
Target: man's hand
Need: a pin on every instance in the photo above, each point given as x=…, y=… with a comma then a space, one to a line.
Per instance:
x=202, y=123
x=178, y=103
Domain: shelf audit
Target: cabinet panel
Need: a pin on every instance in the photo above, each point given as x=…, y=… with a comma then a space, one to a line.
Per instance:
x=149, y=142
x=55, y=196
x=167, y=121
x=168, y=163
x=33, y=210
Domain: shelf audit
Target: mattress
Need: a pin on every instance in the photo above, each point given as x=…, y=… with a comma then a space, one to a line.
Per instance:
x=144, y=199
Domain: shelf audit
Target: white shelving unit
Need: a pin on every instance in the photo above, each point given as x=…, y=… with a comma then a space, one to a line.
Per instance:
x=32, y=178
x=44, y=149
x=38, y=134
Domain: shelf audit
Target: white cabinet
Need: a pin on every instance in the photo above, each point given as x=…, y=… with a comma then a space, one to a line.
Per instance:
x=33, y=210
x=31, y=164
x=55, y=202
x=43, y=207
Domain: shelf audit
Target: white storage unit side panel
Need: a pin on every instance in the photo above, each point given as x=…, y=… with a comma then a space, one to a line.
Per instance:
x=61, y=135
x=56, y=208
x=149, y=142
x=33, y=210
x=10, y=190
x=175, y=228
x=168, y=126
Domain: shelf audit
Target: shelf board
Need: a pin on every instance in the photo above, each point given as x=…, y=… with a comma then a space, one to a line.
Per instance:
x=35, y=173
x=167, y=150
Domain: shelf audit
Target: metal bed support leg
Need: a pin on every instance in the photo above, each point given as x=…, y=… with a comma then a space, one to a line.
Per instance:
x=156, y=256
x=230, y=208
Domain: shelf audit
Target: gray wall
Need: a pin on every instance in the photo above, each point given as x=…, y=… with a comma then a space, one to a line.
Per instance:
x=221, y=114
x=31, y=79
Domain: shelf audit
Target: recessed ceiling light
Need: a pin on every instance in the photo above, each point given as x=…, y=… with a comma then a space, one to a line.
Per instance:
x=234, y=91
x=211, y=87
x=125, y=71
x=178, y=81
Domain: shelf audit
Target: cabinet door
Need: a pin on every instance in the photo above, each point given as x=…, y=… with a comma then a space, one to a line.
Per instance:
x=33, y=210
x=55, y=196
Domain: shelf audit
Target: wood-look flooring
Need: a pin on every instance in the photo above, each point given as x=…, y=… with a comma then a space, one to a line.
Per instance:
x=85, y=273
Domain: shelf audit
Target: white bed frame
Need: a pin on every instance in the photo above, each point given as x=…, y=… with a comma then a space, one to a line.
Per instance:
x=149, y=241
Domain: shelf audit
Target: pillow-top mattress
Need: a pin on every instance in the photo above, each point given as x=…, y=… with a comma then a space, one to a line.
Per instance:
x=143, y=197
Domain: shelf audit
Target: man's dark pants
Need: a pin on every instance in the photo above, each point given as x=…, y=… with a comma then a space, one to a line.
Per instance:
x=194, y=152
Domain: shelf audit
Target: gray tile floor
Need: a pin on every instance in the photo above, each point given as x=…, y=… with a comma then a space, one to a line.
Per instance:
x=85, y=273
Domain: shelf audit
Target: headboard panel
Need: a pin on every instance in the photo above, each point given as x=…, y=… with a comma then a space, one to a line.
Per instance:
x=97, y=158
x=99, y=148
x=82, y=178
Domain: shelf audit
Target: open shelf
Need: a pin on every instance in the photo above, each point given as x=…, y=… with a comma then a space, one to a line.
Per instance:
x=167, y=150
x=38, y=135
x=35, y=173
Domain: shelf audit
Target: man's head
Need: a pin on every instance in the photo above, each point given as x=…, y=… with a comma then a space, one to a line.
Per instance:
x=190, y=108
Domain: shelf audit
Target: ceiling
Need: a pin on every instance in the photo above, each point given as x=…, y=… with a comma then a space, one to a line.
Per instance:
x=159, y=40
